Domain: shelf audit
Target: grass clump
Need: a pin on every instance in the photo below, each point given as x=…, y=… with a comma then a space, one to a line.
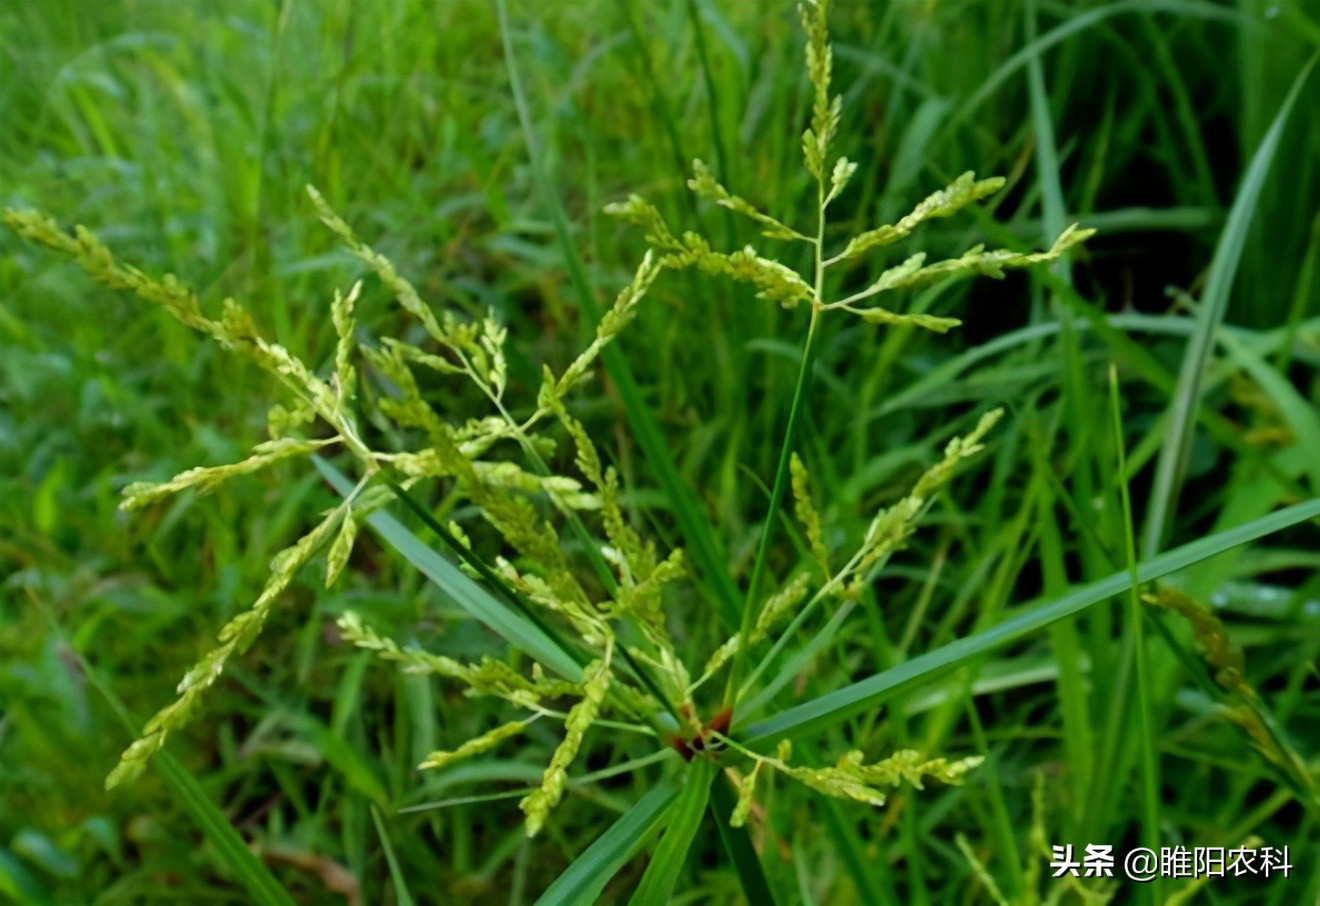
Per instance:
x=646, y=675
x=606, y=653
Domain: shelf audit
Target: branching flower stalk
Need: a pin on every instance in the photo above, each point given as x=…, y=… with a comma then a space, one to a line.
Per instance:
x=611, y=660
x=503, y=492
x=780, y=283
x=850, y=777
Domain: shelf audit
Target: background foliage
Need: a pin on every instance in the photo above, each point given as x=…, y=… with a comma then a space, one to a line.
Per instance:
x=183, y=133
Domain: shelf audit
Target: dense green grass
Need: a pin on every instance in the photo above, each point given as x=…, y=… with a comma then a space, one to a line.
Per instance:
x=184, y=133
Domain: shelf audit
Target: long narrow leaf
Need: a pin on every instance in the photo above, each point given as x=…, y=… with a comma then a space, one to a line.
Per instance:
x=1214, y=304
x=835, y=707
x=684, y=821
x=583, y=881
x=1150, y=765
x=737, y=844
x=401, y=891
x=1075, y=25
x=247, y=868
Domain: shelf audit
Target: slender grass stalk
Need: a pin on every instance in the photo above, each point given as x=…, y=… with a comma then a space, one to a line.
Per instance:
x=777, y=492
x=1150, y=777
x=401, y=892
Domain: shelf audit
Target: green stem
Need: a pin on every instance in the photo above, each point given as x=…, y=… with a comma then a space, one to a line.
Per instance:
x=1150, y=778
x=777, y=492
x=782, y=470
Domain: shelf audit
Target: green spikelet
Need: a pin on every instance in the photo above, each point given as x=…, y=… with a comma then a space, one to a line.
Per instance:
x=95, y=259
x=851, y=779
x=746, y=795
x=824, y=109
x=779, y=606
x=805, y=510
x=774, y=281
x=538, y=804
x=620, y=315
x=143, y=494
x=487, y=677
x=281, y=421
x=235, y=638
x=946, y=202
x=1243, y=709
x=839, y=177
x=704, y=184
x=341, y=313
x=773, y=614
x=886, y=534
x=341, y=549
x=979, y=869
x=957, y=450
x=383, y=268
x=476, y=746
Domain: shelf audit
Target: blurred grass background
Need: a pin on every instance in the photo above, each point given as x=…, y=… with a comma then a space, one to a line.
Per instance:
x=183, y=133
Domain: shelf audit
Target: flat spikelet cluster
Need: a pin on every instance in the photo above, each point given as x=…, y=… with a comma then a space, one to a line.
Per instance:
x=621, y=666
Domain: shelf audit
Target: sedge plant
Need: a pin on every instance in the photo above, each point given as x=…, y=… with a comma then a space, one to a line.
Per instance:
x=583, y=598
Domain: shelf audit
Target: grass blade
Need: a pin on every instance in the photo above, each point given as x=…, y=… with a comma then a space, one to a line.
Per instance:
x=248, y=869
x=704, y=549
x=828, y=710
x=1075, y=25
x=1150, y=776
x=508, y=624
x=1054, y=208
x=671, y=853
x=737, y=845
x=401, y=892
x=18, y=884
x=583, y=881
x=1177, y=446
